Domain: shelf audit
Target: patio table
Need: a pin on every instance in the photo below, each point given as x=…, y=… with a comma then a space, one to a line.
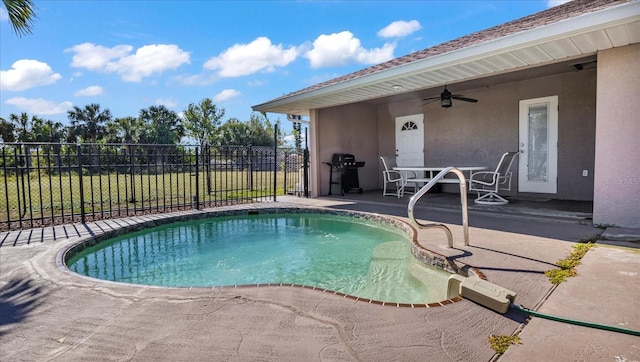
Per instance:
x=430, y=172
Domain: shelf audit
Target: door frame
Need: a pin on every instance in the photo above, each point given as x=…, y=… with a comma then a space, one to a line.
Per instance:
x=418, y=120
x=550, y=185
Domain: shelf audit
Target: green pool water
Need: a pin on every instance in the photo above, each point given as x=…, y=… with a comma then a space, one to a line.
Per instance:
x=351, y=255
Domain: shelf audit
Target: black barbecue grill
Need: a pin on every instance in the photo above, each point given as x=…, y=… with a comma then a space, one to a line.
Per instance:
x=345, y=167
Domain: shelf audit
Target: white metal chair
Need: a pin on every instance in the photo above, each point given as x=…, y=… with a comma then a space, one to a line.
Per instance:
x=391, y=176
x=488, y=183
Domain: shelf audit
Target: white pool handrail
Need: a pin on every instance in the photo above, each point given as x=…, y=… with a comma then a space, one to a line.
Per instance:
x=463, y=201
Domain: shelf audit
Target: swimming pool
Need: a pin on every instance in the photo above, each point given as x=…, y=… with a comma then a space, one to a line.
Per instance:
x=362, y=256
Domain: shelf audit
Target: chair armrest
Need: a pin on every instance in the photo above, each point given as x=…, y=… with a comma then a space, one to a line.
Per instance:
x=398, y=175
x=483, y=178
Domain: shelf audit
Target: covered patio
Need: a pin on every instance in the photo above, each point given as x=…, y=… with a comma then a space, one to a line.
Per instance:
x=578, y=61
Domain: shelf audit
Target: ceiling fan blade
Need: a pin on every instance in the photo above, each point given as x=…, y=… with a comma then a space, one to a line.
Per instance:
x=430, y=98
x=429, y=101
x=460, y=98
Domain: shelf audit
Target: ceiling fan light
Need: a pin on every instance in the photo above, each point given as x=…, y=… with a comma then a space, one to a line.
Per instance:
x=445, y=102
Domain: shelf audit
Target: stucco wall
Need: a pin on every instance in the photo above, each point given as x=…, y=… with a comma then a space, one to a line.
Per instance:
x=467, y=133
x=617, y=163
x=348, y=129
x=478, y=134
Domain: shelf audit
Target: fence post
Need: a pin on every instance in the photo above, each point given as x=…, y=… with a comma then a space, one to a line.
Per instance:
x=275, y=162
x=79, y=155
x=305, y=172
x=23, y=192
x=206, y=155
x=6, y=186
x=132, y=159
x=305, y=160
x=250, y=168
x=285, y=168
x=195, y=202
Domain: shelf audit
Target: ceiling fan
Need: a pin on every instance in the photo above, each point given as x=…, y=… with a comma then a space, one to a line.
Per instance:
x=446, y=97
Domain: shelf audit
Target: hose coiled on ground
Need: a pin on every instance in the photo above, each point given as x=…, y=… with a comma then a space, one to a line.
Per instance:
x=573, y=321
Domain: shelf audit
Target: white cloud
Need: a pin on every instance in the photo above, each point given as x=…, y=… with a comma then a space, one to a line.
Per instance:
x=342, y=48
x=93, y=90
x=198, y=79
x=256, y=83
x=151, y=59
x=39, y=106
x=27, y=73
x=245, y=59
x=4, y=16
x=225, y=95
x=552, y=3
x=147, y=60
x=167, y=102
x=398, y=29
x=96, y=57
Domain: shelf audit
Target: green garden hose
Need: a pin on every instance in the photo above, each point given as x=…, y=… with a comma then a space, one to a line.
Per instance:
x=573, y=321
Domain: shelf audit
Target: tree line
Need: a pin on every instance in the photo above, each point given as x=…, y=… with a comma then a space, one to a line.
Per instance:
x=201, y=122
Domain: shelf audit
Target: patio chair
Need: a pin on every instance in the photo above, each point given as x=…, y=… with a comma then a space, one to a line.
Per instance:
x=399, y=179
x=488, y=183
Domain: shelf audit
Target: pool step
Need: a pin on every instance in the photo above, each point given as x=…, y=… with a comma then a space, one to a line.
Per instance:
x=432, y=278
x=394, y=271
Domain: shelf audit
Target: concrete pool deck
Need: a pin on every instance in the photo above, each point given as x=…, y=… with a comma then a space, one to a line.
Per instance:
x=53, y=315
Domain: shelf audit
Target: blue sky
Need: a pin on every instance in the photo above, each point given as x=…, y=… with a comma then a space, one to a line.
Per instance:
x=130, y=55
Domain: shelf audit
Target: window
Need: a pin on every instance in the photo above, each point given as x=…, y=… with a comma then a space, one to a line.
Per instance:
x=409, y=126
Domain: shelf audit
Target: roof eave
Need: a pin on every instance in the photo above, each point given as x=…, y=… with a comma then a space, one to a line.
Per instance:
x=585, y=23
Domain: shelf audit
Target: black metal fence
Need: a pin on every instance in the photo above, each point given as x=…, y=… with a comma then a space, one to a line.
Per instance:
x=51, y=184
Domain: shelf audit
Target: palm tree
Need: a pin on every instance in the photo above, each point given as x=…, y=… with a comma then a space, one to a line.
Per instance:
x=6, y=131
x=89, y=123
x=21, y=14
x=50, y=133
x=125, y=130
x=24, y=127
x=165, y=127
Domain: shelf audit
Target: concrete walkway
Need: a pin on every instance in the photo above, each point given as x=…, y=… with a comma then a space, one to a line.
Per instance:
x=49, y=314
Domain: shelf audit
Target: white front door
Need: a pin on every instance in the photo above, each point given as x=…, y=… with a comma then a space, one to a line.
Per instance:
x=538, y=161
x=410, y=140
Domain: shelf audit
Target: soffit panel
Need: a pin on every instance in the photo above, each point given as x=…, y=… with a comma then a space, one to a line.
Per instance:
x=600, y=40
x=486, y=65
x=634, y=32
x=584, y=43
x=561, y=48
x=624, y=34
x=505, y=61
x=533, y=55
x=461, y=71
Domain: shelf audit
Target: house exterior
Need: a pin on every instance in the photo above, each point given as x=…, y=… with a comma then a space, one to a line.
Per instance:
x=561, y=86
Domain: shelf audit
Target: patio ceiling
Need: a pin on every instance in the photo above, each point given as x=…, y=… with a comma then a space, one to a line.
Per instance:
x=571, y=39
